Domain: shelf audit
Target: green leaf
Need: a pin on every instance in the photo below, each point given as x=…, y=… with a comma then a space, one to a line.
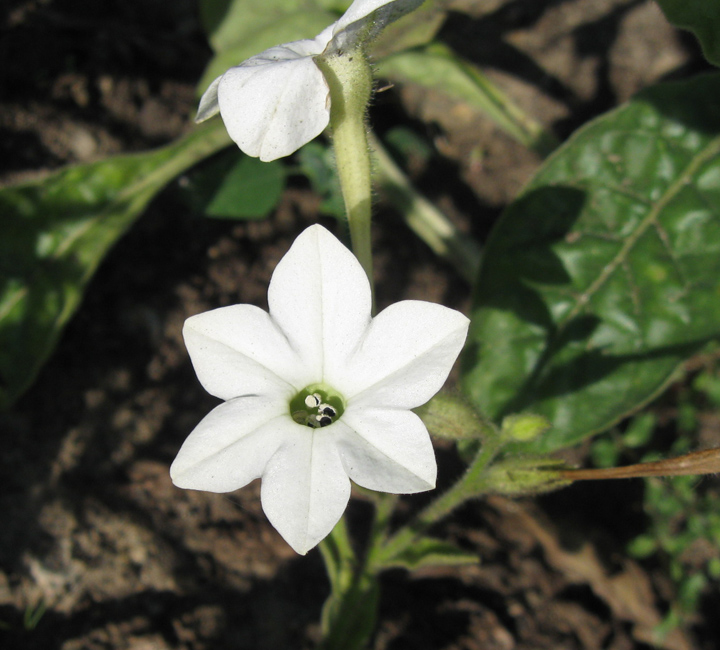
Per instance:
x=428, y=551
x=239, y=29
x=235, y=186
x=437, y=66
x=56, y=231
x=702, y=18
x=316, y=161
x=605, y=274
x=417, y=28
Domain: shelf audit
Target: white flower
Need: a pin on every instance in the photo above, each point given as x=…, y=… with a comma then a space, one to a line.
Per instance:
x=277, y=101
x=316, y=392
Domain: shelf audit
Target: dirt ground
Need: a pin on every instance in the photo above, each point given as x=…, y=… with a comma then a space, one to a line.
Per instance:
x=94, y=531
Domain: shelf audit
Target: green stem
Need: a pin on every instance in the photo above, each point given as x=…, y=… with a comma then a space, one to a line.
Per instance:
x=423, y=218
x=350, y=81
x=471, y=485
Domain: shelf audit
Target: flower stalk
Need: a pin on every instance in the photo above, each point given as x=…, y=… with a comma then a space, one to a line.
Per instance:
x=471, y=484
x=349, y=79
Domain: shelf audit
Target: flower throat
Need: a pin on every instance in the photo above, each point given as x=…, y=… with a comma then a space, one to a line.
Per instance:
x=316, y=406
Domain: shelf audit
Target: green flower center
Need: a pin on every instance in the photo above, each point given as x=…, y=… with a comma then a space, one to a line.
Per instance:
x=317, y=406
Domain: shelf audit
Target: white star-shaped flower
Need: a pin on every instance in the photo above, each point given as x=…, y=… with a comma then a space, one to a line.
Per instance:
x=317, y=393
x=277, y=101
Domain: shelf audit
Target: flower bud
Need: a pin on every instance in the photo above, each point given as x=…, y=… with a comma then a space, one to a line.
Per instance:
x=526, y=476
x=523, y=427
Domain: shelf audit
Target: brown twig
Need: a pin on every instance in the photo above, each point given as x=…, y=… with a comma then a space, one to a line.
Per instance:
x=706, y=461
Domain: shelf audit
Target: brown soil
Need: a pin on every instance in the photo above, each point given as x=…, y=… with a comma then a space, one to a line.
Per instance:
x=93, y=529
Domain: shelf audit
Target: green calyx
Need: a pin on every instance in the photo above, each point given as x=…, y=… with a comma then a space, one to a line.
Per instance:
x=526, y=476
x=317, y=406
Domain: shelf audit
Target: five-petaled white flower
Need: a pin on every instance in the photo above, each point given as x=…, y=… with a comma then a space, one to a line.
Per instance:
x=317, y=392
x=277, y=101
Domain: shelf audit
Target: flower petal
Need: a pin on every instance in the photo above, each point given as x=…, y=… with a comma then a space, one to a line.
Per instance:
x=387, y=450
x=275, y=102
x=364, y=19
x=238, y=350
x=232, y=444
x=406, y=356
x=305, y=489
x=209, y=102
x=320, y=297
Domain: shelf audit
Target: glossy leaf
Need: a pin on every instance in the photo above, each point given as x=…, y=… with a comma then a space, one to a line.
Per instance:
x=702, y=18
x=56, y=231
x=604, y=275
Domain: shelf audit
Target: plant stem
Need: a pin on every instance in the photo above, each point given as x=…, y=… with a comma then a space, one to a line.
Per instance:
x=470, y=485
x=350, y=81
x=423, y=218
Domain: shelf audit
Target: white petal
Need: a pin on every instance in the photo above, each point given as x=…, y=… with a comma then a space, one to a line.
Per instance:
x=406, y=355
x=364, y=19
x=305, y=489
x=238, y=350
x=387, y=450
x=320, y=297
x=209, y=102
x=232, y=444
x=275, y=102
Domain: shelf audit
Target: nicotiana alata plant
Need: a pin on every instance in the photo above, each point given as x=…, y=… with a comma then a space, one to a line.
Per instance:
x=595, y=286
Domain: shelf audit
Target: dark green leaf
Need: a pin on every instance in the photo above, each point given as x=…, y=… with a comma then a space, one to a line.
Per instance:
x=316, y=162
x=239, y=29
x=702, y=18
x=249, y=190
x=605, y=274
x=56, y=231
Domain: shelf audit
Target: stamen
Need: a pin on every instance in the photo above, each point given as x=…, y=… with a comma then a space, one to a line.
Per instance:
x=314, y=409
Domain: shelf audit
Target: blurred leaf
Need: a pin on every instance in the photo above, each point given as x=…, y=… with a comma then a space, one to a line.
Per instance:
x=422, y=217
x=640, y=430
x=702, y=18
x=316, y=162
x=230, y=22
x=428, y=551
x=437, y=66
x=251, y=189
x=246, y=33
x=239, y=29
x=417, y=28
x=56, y=231
x=407, y=146
x=234, y=186
x=605, y=274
